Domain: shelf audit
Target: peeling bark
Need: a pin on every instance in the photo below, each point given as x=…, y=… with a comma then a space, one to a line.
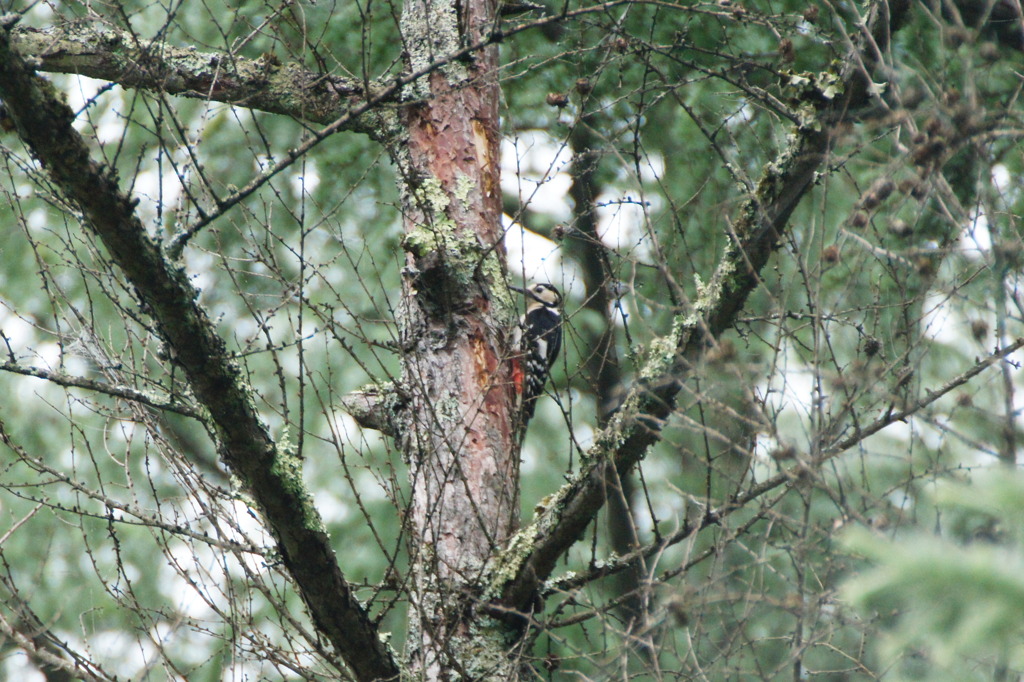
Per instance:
x=457, y=430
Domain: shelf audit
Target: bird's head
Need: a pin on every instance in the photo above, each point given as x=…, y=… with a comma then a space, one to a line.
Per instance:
x=541, y=294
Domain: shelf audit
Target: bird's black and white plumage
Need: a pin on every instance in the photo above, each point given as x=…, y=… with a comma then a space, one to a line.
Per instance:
x=537, y=343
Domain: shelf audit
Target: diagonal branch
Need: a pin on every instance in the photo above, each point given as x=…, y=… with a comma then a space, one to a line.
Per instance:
x=124, y=392
x=269, y=473
x=756, y=234
x=118, y=56
x=53, y=657
x=788, y=476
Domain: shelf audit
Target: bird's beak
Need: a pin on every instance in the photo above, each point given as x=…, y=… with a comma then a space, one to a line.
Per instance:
x=515, y=288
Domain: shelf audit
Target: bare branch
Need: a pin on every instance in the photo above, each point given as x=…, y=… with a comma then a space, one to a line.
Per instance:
x=715, y=516
x=271, y=475
x=263, y=84
x=124, y=392
x=755, y=236
x=43, y=647
x=371, y=407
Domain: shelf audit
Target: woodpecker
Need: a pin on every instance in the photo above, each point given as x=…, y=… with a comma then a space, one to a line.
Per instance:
x=537, y=342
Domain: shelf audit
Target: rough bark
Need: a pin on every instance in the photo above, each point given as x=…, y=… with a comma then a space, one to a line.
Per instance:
x=270, y=474
x=456, y=428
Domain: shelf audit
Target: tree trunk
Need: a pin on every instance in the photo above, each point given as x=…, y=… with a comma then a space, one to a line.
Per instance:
x=456, y=429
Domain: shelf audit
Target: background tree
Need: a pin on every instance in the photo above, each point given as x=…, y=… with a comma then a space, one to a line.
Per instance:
x=258, y=419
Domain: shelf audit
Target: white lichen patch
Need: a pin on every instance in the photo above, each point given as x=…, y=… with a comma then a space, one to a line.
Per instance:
x=464, y=186
x=431, y=194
